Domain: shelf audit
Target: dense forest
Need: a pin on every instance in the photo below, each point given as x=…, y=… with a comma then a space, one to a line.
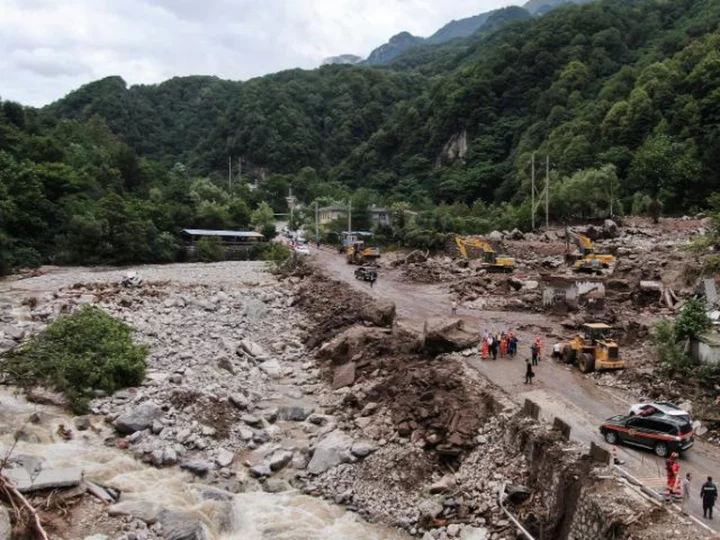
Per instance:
x=621, y=96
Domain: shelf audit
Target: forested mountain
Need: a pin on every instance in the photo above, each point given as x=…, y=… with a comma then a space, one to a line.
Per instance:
x=538, y=7
x=622, y=97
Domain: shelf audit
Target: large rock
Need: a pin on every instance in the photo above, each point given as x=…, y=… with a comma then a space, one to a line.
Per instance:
x=253, y=349
x=329, y=452
x=139, y=418
x=240, y=401
x=379, y=313
x=279, y=459
x=181, y=526
x=295, y=414
x=363, y=449
x=142, y=510
x=495, y=236
x=610, y=228
x=353, y=341
x=344, y=375
x=429, y=509
x=474, y=533
x=272, y=369
x=447, y=335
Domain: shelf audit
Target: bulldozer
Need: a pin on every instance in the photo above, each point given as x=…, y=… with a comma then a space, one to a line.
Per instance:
x=359, y=253
x=491, y=261
x=588, y=261
x=592, y=350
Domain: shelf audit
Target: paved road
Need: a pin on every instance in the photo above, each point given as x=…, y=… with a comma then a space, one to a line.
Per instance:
x=559, y=390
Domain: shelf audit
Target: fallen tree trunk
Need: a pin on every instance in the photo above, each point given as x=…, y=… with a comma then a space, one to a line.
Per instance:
x=17, y=498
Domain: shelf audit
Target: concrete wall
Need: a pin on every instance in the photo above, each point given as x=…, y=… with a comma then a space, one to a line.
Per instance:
x=705, y=353
x=572, y=294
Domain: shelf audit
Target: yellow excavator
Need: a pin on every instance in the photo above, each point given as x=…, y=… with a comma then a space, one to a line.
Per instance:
x=491, y=261
x=359, y=253
x=588, y=261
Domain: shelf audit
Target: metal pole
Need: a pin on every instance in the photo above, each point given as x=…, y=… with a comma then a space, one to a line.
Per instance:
x=317, y=224
x=547, y=192
x=532, y=208
x=508, y=514
x=229, y=174
x=349, y=216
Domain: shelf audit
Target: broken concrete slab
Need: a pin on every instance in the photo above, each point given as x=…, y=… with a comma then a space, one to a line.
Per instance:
x=45, y=479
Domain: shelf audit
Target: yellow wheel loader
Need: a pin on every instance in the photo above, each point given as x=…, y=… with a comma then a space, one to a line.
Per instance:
x=593, y=350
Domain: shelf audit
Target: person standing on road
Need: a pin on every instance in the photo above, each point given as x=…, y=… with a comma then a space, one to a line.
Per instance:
x=485, y=351
x=686, y=492
x=708, y=494
x=494, y=346
x=535, y=352
x=453, y=307
x=529, y=373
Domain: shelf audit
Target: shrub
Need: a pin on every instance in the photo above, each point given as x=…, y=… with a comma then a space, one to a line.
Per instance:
x=78, y=354
x=693, y=320
x=276, y=253
x=210, y=250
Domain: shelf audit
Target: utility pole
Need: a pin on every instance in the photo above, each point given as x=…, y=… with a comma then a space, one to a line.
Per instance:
x=317, y=223
x=547, y=192
x=532, y=206
x=349, y=216
x=229, y=174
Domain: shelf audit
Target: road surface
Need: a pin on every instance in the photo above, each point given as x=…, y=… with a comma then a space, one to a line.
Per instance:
x=559, y=390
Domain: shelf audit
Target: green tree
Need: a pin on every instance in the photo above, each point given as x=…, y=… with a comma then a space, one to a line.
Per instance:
x=263, y=216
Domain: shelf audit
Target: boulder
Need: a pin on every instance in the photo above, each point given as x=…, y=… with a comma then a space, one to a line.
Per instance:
x=344, y=375
x=355, y=340
x=329, y=452
x=260, y=471
x=240, y=401
x=272, y=369
x=447, y=335
x=295, y=414
x=495, y=236
x=199, y=468
x=362, y=449
x=142, y=510
x=275, y=485
x=82, y=423
x=181, y=526
x=429, y=509
x=139, y=418
x=610, y=228
x=516, y=234
x=280, y=459
x=379, y=313
x=251, y=420
x=253, y=349
x=445, y=485
x=224, y=457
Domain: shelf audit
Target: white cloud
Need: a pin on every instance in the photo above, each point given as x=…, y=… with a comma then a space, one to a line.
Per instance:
x=48, y=48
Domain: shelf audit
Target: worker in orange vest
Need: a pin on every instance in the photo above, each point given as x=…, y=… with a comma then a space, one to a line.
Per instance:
x=672, y=469
x=503, y=345
x=538, y=344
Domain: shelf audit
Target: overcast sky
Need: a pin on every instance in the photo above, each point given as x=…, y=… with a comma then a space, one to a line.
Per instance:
x=50, y=47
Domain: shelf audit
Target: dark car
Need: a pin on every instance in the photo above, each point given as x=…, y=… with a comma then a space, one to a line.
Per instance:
x=661, y=434
x=366, y=273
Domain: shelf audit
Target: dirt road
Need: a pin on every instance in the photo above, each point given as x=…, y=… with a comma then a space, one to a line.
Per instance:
x=559, y=390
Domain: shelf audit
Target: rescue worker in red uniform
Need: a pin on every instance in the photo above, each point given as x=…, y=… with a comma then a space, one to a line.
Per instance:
x=672, y=468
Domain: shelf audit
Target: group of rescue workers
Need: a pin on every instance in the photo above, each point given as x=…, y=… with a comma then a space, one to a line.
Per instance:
x=505, y=345
x=679, y=492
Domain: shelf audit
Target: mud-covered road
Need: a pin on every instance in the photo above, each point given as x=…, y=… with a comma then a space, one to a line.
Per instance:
x=559, y=390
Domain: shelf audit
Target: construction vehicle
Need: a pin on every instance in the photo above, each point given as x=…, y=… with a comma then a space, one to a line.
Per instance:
x=593, y=350
x=491, y=261
x=359, y=253
x=588, y=261
x=366, y=273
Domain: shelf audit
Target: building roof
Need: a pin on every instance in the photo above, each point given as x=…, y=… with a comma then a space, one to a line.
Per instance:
x=332, y=209
x=210, y=232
